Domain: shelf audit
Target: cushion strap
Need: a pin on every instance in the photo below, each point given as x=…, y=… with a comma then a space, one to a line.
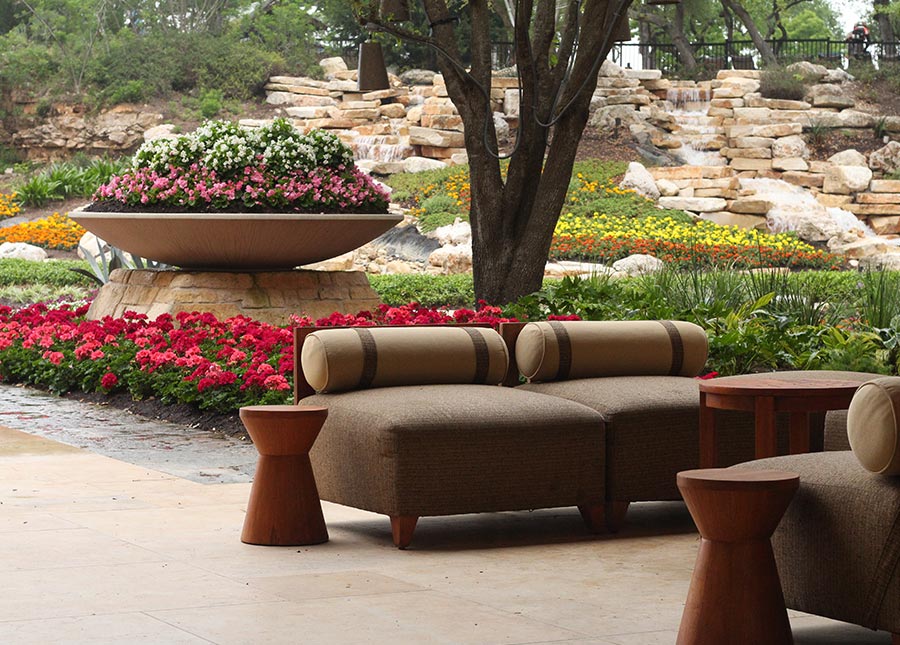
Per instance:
x=565, y=350
x=482, y=355
x=370, y=357
x=677, y=347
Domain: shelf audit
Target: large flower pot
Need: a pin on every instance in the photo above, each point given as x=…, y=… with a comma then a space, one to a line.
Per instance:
x=236, y=241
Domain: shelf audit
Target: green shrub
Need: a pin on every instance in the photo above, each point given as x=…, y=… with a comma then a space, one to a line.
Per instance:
x=210, y=103
x=428, y=290
x=78, y=177
x=237, y=69
x=407, y=186
x=778, y=83
x=133, y=91
x=57, y=273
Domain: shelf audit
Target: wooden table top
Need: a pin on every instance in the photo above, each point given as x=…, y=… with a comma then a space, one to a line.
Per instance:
x=822, y=382
x=736, y=479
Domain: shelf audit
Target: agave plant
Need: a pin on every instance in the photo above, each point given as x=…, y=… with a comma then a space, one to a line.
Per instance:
x=109, y=258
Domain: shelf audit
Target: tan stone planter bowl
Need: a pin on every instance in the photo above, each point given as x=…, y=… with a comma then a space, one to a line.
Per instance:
x=236, y=241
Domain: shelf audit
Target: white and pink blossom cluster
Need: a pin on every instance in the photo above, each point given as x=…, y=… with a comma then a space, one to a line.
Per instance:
x=224, y=166
x=199, y=188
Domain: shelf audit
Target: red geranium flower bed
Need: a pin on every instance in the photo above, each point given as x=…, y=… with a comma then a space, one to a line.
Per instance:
x=194, y=358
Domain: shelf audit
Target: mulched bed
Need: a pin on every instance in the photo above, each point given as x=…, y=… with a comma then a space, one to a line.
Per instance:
x=179, y=413
x=837, y=140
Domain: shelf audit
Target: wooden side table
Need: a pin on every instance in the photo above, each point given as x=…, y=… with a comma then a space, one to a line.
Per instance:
x=284, y=507
x=805, y=395
x=735, y=595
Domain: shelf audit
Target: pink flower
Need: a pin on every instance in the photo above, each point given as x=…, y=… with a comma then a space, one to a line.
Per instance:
x=109, y=381
x=54, y=357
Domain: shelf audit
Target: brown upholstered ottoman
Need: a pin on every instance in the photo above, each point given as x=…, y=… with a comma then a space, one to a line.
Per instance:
x=417, y=450
x=838, y=545
x=652, y=431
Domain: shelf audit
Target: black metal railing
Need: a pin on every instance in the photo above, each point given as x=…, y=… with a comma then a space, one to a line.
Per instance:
x=742, y=54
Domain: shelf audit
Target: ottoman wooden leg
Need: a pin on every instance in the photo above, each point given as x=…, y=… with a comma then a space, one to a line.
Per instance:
x=402, y=528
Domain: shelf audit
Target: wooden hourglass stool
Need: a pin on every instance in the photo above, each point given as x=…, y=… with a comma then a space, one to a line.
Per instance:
x=284, y=507
x=735, y=595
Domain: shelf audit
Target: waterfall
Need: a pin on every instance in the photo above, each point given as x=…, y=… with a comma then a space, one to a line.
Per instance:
x=700, y=135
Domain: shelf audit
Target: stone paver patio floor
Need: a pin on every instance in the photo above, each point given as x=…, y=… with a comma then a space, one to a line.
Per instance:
x=98, y=550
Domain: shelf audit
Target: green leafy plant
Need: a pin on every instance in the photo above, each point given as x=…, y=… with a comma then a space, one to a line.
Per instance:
x=58, y=273
x=427, y=290
x=110, y=258
x=779, y=83
x=817, y=132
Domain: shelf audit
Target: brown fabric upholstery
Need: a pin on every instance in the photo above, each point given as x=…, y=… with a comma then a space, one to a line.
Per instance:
x=652, y=430
x=838, y=545
x=836, y=431
x=445, y=449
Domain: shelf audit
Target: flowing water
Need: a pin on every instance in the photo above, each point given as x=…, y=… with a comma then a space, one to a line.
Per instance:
x=700, y=134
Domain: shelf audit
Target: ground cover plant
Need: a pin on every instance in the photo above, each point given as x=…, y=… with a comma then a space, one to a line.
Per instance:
x=23, y=282
x=755, y=321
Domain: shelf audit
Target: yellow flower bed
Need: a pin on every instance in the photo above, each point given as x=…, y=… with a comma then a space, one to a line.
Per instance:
x=8, y=205
x=54, y=232
x=667, y=228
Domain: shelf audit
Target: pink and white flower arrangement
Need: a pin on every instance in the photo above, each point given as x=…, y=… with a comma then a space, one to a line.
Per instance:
x=223, y=166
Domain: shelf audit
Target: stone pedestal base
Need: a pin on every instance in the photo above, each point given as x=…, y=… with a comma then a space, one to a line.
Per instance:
x=266, y=296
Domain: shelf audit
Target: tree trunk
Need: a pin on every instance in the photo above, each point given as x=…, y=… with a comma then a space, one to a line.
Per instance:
x=676, y=32
x=885, y=29
x=513, y=219
x=765, y=51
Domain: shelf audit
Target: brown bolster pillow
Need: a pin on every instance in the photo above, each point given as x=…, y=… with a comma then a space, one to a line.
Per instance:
x=335, y=360
x=560, y=350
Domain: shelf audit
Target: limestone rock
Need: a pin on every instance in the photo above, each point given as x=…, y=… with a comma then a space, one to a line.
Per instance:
x=435, y=138
x=414, y=114
x=886, y=159
x=417, y=77
x=638, y=264
x=751, y=206
x=162, y=131
x=609, y=68
x=811, y=222
x=829, y=95
x=790, y=164
x=837, y=75
x=610, y=118
x=459, y=232
x=792, y=146
x=666, y=187
x=807, y=71
x=501, y=126
x=695, y=204
x=419, y=164
x=849, y=157
x=885, y=186
x=640, y=180
x=22, y=251
x=332, y=65
x=392, y=111
x=843, y=180
x=452, y=259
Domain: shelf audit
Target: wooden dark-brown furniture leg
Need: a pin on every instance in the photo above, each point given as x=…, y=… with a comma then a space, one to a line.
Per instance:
x=594, y=516
x=766, y=437
x=708, y=439
x=735, y=595
x=402, y=528
x=615, y=515
x=800, y=435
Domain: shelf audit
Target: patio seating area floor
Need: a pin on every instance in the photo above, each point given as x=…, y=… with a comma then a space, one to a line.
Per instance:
x=97, y=550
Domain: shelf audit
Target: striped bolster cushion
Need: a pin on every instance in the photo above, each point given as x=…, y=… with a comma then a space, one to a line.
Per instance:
x=556, y=350
x=335, y=360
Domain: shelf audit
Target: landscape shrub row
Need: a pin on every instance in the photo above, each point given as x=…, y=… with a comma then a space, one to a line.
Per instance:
x=755, y=321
